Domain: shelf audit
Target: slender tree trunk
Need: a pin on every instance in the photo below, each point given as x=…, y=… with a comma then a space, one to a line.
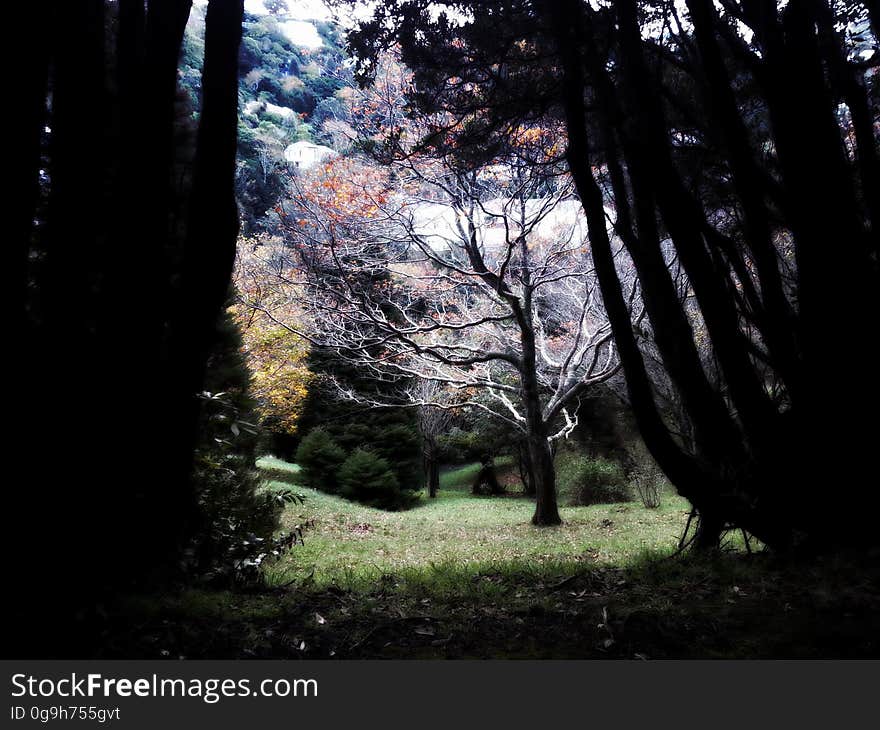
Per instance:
x=526, y=470
x=540, y=454
x=435, y=479
x=430, y=466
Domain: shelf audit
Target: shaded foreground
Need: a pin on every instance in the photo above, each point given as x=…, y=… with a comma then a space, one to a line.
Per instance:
x=733, y=607
x=467, y=577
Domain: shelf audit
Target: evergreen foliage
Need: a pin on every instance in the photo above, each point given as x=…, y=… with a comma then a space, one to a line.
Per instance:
x=319, y=458
x=390, y=433
x=366, y=477
x=231, y=508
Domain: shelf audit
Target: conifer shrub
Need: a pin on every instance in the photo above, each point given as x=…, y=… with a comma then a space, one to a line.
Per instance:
x=319, y=458
x=368, y=478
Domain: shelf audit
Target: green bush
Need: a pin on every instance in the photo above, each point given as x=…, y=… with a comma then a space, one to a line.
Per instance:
x=400, y=445
x=647, y=477
x=584, y=481
x=319, y=458
x=368, y=478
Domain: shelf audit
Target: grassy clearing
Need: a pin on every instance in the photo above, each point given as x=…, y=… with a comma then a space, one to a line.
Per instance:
x=469, y=577
x=351, y=546
x=277, y=471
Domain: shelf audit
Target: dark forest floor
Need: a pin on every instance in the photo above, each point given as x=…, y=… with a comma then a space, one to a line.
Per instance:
x=730, y=606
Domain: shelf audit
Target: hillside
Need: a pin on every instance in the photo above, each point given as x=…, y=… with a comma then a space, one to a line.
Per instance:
x=291, y=71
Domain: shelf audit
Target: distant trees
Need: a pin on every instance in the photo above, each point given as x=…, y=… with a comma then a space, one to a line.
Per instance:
x=277, y=358
x=276, y=7
x=435, y=415
x=739, y=138
x=120, y=253
x=363, y=466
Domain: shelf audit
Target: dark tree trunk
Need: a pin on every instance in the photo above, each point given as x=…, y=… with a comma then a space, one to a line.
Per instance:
x=29, y=85
x=544, y=475
x=150, y=137
x=209, y=250
x=430, y=466
x=103, y=385
x=26, y=399
x=68, y=280
x=526, y=470
x=540, y=454
x=434, y=483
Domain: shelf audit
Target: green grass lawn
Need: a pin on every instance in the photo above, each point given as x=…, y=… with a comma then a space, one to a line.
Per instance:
x=470, y=577
x=350, y=545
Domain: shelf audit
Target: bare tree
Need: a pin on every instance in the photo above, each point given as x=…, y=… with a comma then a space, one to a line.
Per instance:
x=435, y=415
x=477, y=279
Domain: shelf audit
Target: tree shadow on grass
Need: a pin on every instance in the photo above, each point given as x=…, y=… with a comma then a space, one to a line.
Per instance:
x=726, y=606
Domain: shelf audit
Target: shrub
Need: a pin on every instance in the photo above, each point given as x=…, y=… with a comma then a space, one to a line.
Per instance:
x=647, y=477
x=319, y=458
x=400, y=445
x=368, y=478
x=588, y=481
x=649, y=485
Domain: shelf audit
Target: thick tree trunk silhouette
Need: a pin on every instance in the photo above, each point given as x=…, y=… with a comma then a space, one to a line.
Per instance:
x=119, y=275
x=544, y=478
x=211, y=233
x=29, y=85
x=752, y=487
x=71, y=241
x=537, y=439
